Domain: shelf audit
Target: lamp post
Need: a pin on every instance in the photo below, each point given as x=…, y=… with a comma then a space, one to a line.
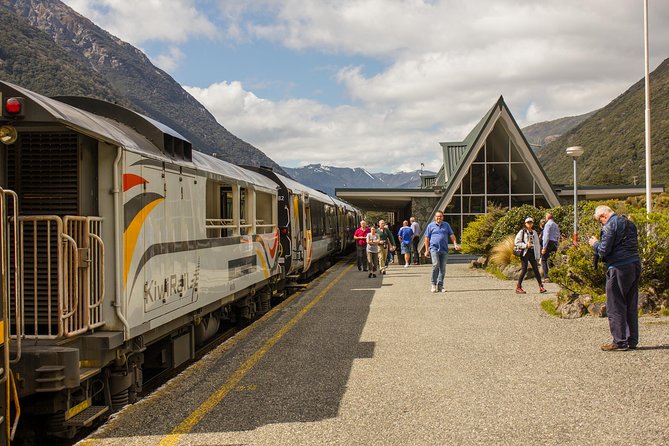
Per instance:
x=575, y=152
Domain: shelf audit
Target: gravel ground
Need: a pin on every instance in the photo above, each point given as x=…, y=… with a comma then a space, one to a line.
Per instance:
x=385, y=362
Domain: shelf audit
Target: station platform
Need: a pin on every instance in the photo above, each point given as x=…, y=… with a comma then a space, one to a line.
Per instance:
x=354, y=360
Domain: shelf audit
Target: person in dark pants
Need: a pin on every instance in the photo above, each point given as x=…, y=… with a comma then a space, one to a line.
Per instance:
x=527, y=239
x=618, y=246
x=360, y=237
x=550, y=241
x=415, y=239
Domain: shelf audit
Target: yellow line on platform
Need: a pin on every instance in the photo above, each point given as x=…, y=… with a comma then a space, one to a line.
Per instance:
x=196, y=416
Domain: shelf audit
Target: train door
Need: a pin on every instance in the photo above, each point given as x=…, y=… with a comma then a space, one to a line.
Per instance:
x=308, y=233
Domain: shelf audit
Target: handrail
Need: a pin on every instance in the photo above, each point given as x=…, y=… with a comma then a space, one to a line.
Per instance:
x=17, y=404
x=75, y=255
x=18, y=301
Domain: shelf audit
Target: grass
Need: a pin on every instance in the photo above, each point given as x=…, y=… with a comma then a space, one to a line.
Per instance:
x=495, y=271
x=549, y=307
x=664, y=312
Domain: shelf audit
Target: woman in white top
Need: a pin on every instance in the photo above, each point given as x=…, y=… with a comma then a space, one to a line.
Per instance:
x=528, y=240
x=373, y=241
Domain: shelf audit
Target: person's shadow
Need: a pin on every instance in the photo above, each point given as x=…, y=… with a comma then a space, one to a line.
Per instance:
x=653, y=347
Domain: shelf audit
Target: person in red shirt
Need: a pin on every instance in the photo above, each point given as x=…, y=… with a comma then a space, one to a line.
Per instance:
x=360, y=237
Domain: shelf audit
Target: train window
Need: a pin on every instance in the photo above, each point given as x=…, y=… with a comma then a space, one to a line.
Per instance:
x=265, y=223
x=220, y=218
x=243, y=224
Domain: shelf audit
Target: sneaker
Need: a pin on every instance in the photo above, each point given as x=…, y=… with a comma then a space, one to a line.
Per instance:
x=406, y=265
x=545, y=280
x=443, y=290
x=373, y=275
x=369, y=275
x=433, y=289
x=542, y=289
x=632, y=347
x=613, y=347
x=519, y=290
x=383, y=272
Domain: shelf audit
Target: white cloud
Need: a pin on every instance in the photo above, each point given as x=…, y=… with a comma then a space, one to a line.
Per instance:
x=447, y=63
x=140, y=21
x=301, y=132
x=169, y=60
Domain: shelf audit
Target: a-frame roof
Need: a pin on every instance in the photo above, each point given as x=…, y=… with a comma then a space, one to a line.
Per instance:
x=458, y=156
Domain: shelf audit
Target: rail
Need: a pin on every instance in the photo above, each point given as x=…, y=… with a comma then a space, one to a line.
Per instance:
x=217, y=226
x=10, y=265
x=62, y=275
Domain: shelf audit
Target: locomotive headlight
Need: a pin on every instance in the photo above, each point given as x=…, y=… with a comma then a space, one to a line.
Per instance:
x=8, y=134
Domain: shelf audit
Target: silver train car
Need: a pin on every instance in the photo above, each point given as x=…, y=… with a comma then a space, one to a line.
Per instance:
x=125, y=249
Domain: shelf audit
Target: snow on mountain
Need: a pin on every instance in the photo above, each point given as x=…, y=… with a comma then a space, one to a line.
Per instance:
x=327, y=178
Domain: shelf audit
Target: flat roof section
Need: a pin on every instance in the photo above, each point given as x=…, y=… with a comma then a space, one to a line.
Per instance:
x=371, y=199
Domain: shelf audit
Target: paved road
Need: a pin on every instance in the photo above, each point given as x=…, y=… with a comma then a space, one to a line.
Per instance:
x=359, y=361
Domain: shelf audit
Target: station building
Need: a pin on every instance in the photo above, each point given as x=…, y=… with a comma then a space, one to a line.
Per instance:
x=493, y=164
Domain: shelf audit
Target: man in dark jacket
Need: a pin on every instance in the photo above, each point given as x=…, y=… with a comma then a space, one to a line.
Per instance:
x=618, y=246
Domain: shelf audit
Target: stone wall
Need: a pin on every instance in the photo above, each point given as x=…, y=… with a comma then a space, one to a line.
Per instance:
x=421, y=209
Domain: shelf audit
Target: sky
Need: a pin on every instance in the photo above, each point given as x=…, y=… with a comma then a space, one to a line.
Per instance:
x=379, y=83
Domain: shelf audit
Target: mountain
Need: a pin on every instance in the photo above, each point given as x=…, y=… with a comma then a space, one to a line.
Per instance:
x=545, y=132
x=613, y=139
x=49, y=48
x=327, y=178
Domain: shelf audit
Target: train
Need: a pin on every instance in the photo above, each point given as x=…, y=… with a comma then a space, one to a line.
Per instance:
x=124, y=249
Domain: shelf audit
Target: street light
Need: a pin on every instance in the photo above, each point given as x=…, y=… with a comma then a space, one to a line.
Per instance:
x=574, y=152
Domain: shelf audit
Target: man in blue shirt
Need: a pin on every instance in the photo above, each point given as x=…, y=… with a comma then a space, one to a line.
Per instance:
x=550, y=239
x=405, y=234
x=436, y=247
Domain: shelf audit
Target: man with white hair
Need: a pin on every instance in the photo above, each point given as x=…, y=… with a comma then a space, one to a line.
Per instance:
x=618, y=247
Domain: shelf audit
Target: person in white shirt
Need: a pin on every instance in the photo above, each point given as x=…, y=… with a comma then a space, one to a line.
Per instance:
x=415, y=227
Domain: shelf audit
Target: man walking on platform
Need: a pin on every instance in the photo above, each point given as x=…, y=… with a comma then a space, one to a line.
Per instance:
x=436, y=247
x=387, y=240
x=550, y=239
x=360, y=237
x=618, y=246
x=405, y=234
x=415, y=227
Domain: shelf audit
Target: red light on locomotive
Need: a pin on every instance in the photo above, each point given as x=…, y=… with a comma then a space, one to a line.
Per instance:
x=13, y=107
x=284, y=231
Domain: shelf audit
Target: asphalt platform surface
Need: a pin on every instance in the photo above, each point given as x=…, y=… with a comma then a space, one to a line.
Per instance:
x=354, y=360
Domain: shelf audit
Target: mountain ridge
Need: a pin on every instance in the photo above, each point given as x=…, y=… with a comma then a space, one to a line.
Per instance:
x=120, y=73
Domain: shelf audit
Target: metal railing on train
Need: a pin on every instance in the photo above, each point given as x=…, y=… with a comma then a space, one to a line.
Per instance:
x=225, y=227
x=61, y=274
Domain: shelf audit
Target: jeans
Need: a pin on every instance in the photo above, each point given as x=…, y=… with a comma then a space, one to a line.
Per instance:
x=439, y=260
x=361, y=251
x=529, y=257
x=550, y=249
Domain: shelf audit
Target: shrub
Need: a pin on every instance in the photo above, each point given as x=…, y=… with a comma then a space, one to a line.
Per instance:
x=549, y=307
x=502, y=253
x=573, y=269
x=513, y=220
x=476, y=236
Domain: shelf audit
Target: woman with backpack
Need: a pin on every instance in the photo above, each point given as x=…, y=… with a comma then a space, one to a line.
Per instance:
x=527, y=242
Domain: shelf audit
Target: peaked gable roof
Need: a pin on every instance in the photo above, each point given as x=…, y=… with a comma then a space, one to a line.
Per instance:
x=458, y=156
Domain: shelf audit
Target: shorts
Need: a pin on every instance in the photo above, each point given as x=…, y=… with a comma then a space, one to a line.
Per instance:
x=405, y=248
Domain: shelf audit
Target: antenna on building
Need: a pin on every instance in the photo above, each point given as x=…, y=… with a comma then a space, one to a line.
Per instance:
x=421, y=168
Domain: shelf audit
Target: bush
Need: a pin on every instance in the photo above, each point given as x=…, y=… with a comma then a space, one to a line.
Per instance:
x=476, y=236
x=513, y=220
x=573, y=269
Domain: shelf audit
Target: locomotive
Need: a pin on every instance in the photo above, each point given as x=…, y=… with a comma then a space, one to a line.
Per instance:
x=123, y=250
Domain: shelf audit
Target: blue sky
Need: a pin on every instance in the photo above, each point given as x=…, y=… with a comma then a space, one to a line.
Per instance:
x=379, y=83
